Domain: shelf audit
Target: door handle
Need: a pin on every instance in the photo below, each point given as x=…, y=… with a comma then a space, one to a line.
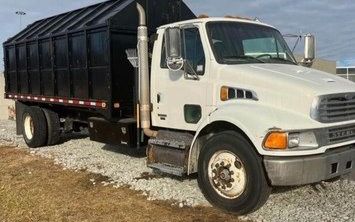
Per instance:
x=158, y=98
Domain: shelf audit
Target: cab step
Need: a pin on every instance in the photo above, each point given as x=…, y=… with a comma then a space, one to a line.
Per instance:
x=168, y=152
x=168, y=169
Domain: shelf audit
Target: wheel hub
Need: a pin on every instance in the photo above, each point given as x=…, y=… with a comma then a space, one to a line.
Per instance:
x=227, y=174
x=28, y=126
x=222, y=176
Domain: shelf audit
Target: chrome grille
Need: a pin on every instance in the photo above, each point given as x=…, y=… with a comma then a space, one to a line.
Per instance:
x=334, y=108
x=341, y=134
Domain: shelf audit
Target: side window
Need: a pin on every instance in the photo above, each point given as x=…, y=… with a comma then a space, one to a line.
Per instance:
x=163, y=64
x=193, y=51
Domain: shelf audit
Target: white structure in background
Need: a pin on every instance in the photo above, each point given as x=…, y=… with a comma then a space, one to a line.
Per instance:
x=346, y=68
x=348, y=72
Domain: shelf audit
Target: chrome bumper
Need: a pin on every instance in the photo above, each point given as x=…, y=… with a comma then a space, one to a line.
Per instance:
x=289, y=171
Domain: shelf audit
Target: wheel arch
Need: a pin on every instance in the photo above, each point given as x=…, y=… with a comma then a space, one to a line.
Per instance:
x=205, y=133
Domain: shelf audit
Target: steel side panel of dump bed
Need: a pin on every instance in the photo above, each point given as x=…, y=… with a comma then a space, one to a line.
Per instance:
x=78, y=59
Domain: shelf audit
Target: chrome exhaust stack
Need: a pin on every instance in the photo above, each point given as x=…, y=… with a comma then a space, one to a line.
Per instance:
x=143, y=62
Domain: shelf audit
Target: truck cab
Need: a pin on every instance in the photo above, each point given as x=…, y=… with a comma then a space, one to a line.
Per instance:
x=258, y=118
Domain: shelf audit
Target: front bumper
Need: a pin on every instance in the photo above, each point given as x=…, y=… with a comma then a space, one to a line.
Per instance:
x=289, y=171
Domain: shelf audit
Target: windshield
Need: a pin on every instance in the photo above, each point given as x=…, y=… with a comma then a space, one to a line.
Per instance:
x=242, y=43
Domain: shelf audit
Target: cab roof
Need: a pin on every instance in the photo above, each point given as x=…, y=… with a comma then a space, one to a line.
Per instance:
x=215, y=19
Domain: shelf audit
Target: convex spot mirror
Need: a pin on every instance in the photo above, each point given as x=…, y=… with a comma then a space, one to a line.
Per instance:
x=309, y=48
x=173, y=48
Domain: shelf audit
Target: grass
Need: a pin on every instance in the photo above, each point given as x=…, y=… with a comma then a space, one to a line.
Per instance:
x=34, y=189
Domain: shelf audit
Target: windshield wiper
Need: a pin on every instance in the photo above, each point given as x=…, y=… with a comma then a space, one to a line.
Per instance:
x=283, y=60
x=244, y=57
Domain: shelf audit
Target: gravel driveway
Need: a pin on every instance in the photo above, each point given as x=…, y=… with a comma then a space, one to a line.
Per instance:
x=323, y=202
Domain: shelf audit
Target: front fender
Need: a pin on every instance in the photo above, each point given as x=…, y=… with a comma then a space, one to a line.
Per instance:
x=254, y=119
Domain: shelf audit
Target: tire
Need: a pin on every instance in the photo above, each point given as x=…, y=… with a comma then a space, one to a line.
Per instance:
x=53, y=126
x=34, y=127
x=241, y=192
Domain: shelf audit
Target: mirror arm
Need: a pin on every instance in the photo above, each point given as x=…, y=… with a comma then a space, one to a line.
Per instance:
x=194, y=75
x=306, y=63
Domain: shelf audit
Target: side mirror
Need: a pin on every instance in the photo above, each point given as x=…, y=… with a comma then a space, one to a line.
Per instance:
x=173, y=49
x=309, y=48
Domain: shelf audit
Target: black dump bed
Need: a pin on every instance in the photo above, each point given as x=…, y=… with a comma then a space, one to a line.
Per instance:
x=78, y=59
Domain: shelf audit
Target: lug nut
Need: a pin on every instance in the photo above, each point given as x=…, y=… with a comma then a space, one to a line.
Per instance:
x=238, y=164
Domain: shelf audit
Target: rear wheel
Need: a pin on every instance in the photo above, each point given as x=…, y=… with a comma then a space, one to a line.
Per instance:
x=34, y=127
x=231, y=174
x=53, y=125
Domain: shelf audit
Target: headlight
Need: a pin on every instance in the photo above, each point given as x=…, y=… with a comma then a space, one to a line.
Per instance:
x=306, y=140
x=279, y=140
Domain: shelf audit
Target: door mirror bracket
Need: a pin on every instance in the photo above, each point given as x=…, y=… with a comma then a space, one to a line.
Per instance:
x=194, y=75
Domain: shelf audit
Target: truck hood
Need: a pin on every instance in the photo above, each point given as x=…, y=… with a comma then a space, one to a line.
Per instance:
x=285, y=86
x=316, y=81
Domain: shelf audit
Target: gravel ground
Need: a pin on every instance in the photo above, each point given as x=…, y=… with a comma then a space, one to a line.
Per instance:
x=323, y=202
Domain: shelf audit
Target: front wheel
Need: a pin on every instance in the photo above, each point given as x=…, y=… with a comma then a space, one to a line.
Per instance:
x=231, y=174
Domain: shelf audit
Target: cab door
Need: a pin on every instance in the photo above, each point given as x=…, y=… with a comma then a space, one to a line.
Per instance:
x=180, y=102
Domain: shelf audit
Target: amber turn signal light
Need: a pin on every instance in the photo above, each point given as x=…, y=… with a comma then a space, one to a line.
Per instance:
x=276, y=140
x=224, y=93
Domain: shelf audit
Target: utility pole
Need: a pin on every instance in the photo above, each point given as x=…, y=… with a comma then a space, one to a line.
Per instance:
x=20, y=13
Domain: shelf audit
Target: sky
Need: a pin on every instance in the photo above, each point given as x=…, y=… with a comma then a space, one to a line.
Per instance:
x=331, y=21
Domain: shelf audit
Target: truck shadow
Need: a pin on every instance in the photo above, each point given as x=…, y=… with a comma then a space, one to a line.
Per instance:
x=316, y=187
x=277, y=190
x=140, y=153
x=65, y=137
x=132, y=152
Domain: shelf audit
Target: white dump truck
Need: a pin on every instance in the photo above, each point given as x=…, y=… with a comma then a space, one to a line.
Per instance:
x=258, y=118
x=220, y=97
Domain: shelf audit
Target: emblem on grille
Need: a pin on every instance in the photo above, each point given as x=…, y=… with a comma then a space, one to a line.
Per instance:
x=345, y=133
